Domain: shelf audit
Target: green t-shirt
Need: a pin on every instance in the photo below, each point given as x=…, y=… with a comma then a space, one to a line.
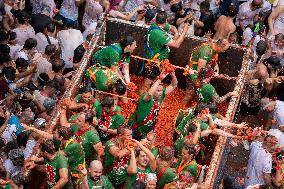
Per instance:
x=182, y=120
x=204, y=52
x=112, y=120
x=116, y=173
x=155, y=151
x=168, y=177
x=140, y=175
x=8, y=186
x=52, y=168
x=75, y=155
x=157, y=41
x=87, y=140
x=102, y=77
x=110, y=55
x=206, y=93
x=205, y=124
x=143, y=110
x=102, y=183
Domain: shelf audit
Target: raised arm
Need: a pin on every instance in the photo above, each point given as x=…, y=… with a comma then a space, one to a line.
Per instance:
x=154, y=87
x=173, y=84
x=40, y=132
x=132, y=168
x=176, y=43
x=63, y=174
x=152, y=162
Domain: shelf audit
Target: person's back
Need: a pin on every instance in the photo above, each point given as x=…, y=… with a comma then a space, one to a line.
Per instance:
x=224, y=26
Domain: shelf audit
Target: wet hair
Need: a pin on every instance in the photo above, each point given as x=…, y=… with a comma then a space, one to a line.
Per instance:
x=201, y=106
x=78, y=54
x=50, y=27
x=48, y=146
x=12, y=35
x=120, y=87
x=137, y=152
x=23, y=138
x=2, y=143
x=58, y=65
x=11, y=145
x=89, y=114
x=43, y=78
x=49, y=49
x=128, y=40
x=4, y=58
x=65, y=132
x=9, y=72
x=30, y=43
x=161, y=17
x=167, y=153
x=107, y=101
x=150, y=15
x=205, y=72
x=190, y=148
x=4, y=48
x=21, y=63
x=175, y=8
x=4, y=36
x=213, y=108
x=232, y=11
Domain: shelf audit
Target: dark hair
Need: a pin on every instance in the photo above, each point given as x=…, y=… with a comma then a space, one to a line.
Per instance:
x=167, y=153
x=121, y=129
x=22, y=16
x=228, y=182
x=205, y=6
x=150, y=15
x=13, y=35
x=161, y=17
x=21, y=63
x=43, y=78
x=175, y=8
x=128, y=40
x=2, y=143
x=191, y=128
x=205, y=72
x=9, y=72
x=50, y=27
x=57, y=65
x=279, y=35
x=30, y=43
x=213, y=108
x=274, y=61
x=49, y=49
x=3, y=35
x=261, y=48
x=89, y=115
x=201, y=106
x=120, y=87
x=2, y=120
x=48, y=146
x=107, y=101
x=65, y=132
x=232, y=11
x=4, y=58
x=23, y=138
x=138, y=185
x=4, y=48
x=78, y=54
x=11, y=145
x=190, y=148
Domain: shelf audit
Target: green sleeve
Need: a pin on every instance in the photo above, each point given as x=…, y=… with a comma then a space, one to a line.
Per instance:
x=74, y=127
x=73, y=118
x=163, y=95
x=167, y=27
x=97, y=106
x=78, y=98
x=94, y=137
x=205, y=53
x=62, y=161
x=127, y=60
x=107, y=183
x=193, y=169
x=168, y=177
x=162, y=38
x=114, y=59
x=108, y=145
x=155, y=151
x=119, y=120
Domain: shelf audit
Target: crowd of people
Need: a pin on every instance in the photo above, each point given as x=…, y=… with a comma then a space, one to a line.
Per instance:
x=93, y=144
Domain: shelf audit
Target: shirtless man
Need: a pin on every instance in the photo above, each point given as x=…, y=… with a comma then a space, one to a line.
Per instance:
x=224, y=26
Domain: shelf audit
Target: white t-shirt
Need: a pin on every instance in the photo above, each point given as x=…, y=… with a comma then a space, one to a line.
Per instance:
x=29, y=148
x=42, y=42
x=279, y=135
x=278, y=114
x=43, y=66
x=69, y=9
x=68, y=41
x=11, y=168
x=279, y=21
x=259, y=163
x=23, y=34
x=246, y=14
x=9, y=132
x=14, y=49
